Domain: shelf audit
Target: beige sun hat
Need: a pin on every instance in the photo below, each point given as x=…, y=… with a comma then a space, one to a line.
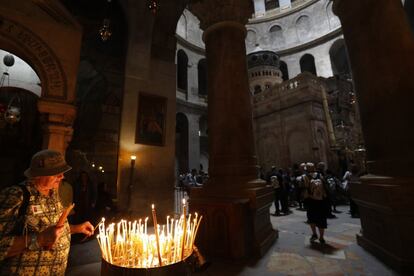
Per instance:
x=47, y=163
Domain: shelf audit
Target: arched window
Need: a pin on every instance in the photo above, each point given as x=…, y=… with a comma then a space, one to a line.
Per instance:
x=202, y=77
x=303, y=27
x=284, y=69
x=276, y=34
x=271, y=4
x=182, y=64
x=339, y=59
x=307, y=64
x=257, y=89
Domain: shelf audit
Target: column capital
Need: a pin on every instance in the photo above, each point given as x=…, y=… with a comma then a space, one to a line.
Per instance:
x=57, y=113
x=210, y=12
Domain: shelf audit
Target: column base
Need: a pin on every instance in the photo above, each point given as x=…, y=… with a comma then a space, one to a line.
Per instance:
x=235, y=227
x=387, y=219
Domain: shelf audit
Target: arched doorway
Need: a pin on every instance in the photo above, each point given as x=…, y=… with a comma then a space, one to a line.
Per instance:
x=20, y=130
x=307, y=64
x=182, y=74
x=339, y=59
x=284, y=69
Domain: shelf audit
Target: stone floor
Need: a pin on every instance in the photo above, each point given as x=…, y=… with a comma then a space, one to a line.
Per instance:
x=291, y=254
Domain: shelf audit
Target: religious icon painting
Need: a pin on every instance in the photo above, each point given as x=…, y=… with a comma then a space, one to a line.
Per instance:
x=150, y=129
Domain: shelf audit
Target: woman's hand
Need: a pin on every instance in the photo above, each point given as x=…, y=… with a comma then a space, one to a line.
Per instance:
x=84, y=228
x=49, y=236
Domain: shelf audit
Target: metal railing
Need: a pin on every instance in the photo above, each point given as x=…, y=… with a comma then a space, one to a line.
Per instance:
x=179, y=194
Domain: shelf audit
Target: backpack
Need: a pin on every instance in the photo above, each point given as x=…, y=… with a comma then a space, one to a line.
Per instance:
x=21, y=215
x=275, y=183
x=316, y=189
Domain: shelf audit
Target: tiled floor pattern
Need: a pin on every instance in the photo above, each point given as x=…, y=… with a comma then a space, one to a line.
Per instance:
x=292, y=254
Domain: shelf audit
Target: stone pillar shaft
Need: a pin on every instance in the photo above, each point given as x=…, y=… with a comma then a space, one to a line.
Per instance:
x=231, y=141
x=381, y=48
x=259, y=8
x=57, y=119
x=380, y=43
x=193, y=141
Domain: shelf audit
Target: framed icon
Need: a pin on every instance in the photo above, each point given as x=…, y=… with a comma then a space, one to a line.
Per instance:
x=152, y=110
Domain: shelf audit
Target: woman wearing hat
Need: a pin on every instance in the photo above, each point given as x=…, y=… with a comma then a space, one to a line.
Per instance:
x=30, y=241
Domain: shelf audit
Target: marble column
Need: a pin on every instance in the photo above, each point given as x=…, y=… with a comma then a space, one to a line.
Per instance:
x=193, y=141
x=57, y=119
x=381, y=48
x=235, y=204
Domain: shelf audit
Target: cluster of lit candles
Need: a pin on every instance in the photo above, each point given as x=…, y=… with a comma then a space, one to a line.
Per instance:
x=128, y=244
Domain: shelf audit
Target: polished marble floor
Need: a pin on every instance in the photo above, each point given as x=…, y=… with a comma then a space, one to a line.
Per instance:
x=291, y=254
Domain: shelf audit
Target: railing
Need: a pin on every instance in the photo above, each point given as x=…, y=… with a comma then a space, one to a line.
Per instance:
x=179, y=194
x=302, y=80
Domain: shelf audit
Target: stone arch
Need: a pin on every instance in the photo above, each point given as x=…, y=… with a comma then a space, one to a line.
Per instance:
x=251, y=37
x=257, y=89
x=20, y=74
x=307, y=64
x=182, y=26
x=276, y=34
x=333, y=20
x=284, y=69
x=339, y=58
x=18, y=39
x=303, y=27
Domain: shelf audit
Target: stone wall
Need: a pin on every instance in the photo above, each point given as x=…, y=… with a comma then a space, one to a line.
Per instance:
x=290, y=124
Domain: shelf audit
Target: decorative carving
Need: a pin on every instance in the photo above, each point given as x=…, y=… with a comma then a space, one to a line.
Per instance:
x=210, y=12
x=44, y=60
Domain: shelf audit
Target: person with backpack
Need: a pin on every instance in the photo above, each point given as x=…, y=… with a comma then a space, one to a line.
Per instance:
x=316, y=207
x=31, y=241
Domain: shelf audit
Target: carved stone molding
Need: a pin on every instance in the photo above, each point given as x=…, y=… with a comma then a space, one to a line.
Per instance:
x=57, y=113
x=210, y=12
x=39, y=55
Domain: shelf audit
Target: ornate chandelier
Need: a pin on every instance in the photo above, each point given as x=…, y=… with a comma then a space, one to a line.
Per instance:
x=153, y=6
x=9, y=114
x=105, y=31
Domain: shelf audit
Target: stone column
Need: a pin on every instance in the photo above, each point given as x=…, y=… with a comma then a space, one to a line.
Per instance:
x=381, y=48
x=259, y=8
x=192, y=72
x=193, y=141
x=235, y=204
x=57, y=119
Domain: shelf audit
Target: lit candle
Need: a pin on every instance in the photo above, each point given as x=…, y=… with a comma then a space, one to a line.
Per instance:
x=157, y=238
x=167, y=224
x=184, y=230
